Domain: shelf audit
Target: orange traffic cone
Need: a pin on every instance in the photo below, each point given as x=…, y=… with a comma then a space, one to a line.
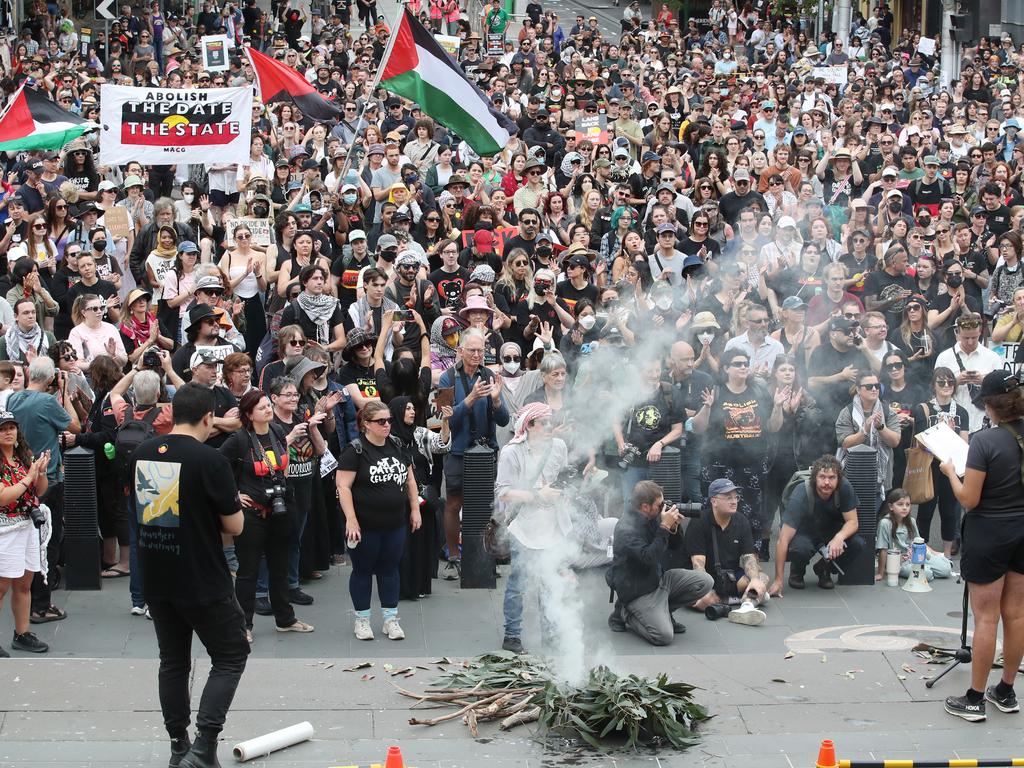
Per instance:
x=826, y=755
x=394, y=759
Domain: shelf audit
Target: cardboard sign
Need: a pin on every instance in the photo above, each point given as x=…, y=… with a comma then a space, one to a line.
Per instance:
x=450, y=43
x=927, y=46
x=117, y=221
x=593, y=128
x=262, y=231
x=837, y=75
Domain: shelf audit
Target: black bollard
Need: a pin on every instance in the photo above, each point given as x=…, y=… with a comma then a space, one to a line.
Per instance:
x=861, y=469
x=480, y=466
x=82, y=544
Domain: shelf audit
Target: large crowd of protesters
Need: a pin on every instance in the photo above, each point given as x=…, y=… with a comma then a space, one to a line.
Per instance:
x=776, y=246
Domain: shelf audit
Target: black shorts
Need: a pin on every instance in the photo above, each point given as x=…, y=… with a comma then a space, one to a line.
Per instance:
x=991, y=547
x=453, y=473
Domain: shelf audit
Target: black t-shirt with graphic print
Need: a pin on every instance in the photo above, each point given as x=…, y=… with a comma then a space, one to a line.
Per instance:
x=379, y=492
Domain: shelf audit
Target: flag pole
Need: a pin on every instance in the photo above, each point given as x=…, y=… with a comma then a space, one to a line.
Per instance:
x=373, y=87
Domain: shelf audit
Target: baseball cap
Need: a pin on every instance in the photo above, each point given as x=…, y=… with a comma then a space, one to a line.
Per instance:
x=356, y=234
x=483, y=241
x=741, y=174
x=721, y=486
x=841, y=324
x=890, y=171
x=998, y=382
x=204, y=357
x=209, y=282
x=386, y=241
x=794, y=302
x=978, y=209
x=103, y=186
x=666, y=227
x=187, y=246
x=786, y=221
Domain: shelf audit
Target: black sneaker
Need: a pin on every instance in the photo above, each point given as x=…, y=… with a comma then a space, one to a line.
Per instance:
x=678, y=628
x=961, y=707
x=824, y=571
x=616, y=622
x=297, y=597
x=513, y=644
x=1007, y=703
x=262, y=607
x=796, y=581
x=28, y=642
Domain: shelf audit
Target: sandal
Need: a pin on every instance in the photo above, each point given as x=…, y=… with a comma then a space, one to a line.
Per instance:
x=53, y=613
x=315, y=576
x=298, y=626
x=113, y=572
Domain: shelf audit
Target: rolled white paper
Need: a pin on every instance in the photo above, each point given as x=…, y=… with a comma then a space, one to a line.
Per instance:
x=271, y=742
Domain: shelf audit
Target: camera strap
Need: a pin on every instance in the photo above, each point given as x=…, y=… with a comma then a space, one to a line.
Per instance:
x=275, y=444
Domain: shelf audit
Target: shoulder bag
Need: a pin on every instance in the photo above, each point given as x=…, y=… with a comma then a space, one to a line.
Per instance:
x=917, y=479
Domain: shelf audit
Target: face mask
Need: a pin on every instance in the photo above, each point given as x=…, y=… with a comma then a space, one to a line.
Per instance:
x=412, y=178
x=260, y=211
x=705, y=338
x=543, y=250
x=349, y=198
x=511, y=368
x=587, y=322
x=955, y=281
x=188, y=197
x=389, y=256
x=540, y=287
x=99, y=245
x=663, y=302
x=895, y=207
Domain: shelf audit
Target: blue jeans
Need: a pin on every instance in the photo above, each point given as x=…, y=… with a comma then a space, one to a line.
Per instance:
x=521, y=564
x=378, y=554
x=629, y=478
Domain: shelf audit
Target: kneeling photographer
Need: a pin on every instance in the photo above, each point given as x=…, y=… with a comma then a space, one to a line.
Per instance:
x=721, y=544
x=647, y=594
x=258, y=452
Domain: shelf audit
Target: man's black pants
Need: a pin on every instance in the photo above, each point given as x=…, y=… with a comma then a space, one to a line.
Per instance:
x=804, y=545
x=221, y=628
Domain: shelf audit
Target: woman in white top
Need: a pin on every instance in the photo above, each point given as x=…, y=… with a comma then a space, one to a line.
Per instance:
x=178, y=289
x=161, y=260
x=91, y=337
x=244, y=268
x=38, y=245
x=258, y=164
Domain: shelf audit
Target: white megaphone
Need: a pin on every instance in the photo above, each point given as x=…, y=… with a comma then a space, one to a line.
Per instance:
x=918, y=581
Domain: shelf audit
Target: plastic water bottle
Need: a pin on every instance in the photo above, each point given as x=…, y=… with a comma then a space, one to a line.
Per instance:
x=918, y=552
x=109, y=450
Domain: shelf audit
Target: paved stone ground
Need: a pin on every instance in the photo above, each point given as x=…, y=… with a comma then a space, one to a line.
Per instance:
x=92, y=700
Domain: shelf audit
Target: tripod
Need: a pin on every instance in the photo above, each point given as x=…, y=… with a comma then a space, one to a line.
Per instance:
x=962, y=655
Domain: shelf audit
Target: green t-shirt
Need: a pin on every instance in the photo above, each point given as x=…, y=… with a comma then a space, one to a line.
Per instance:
x=497, y=21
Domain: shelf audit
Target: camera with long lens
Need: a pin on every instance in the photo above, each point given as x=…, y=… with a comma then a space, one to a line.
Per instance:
x=276, y=494
x=37, y=516
x=629, y=454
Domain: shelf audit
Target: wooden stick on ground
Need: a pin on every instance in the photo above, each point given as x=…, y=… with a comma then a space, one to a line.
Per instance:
x=525, y=716
x=459, y=713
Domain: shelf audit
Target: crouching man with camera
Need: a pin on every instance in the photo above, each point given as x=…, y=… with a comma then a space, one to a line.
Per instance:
x=721, y=543
x=820, y=517
x=258, y=453
x=646, y=593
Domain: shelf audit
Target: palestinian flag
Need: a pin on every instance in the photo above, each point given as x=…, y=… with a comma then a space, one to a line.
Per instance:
x=32, y=121
x=418, y=68
x=279, y=82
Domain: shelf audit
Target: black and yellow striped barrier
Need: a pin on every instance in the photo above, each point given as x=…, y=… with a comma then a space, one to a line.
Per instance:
x=958, y=763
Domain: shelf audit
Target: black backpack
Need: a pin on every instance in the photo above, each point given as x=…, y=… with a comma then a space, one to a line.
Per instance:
x=132, y=433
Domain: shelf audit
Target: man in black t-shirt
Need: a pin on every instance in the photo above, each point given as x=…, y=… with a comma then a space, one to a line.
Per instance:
x=184, y=499
x=888, y=289
x=721, y=543
x=830, y=525
x=205, y=366
x=833, y=368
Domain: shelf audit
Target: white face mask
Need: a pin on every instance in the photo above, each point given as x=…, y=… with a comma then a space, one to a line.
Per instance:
x=587, y=322
x=511, y=368
x=188, y=197
x=706, y=337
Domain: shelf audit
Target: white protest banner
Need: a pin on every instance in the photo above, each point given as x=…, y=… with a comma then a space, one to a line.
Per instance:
x=837, y=75
x=927, y=46
x=167, y=126
x=215, y=53
x=1008, y=352
x=262, y=230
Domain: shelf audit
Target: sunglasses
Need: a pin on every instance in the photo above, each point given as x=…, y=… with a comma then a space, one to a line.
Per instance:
x=511, y=359
x=382, y=421
x=696, y=224
x=894, y=367
x=946, y=382
x=871, y=386
x=94, y=309
x=739, y=364
x=431, y=219
x=968, y=325
x=243, y=237
x=296, y=342
x=69, y=357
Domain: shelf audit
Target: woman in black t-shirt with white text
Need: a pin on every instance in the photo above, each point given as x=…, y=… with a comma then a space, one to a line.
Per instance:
x=378, y=494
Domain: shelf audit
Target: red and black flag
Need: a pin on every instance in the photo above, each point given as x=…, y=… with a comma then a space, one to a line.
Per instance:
x=279, y=82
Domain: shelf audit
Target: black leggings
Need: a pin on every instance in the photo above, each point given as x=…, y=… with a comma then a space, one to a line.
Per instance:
x=949, y=508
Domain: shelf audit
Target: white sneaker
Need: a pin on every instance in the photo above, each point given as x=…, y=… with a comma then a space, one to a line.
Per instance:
x=393, y=630
x=138, y=610
x=747, y=614
x=363, y=629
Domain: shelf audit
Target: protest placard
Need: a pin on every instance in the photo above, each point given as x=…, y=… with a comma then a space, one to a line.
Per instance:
x=262, y=231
